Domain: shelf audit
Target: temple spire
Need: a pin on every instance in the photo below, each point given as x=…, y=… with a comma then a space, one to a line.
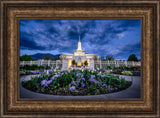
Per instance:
x=79, y=44
x=79, y=38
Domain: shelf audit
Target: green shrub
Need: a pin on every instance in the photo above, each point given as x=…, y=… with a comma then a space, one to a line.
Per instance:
x=86, y=63
x=107, y=71
x=127, y=73
x=33, y=67
x=108, y=67
x=123, y=81
x=26, y=67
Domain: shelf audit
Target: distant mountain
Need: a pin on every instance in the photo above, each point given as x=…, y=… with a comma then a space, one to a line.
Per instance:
x=42, y=55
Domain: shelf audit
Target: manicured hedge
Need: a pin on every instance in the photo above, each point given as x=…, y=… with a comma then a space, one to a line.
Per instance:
x=34, y=67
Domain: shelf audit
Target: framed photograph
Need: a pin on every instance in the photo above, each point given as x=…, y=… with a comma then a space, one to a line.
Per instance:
x=79, y=58
x=99, y=66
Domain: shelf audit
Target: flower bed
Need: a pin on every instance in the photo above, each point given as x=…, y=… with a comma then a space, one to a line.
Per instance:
x=136, y=73
x=34, y=72
x=76, y=82
x=30, y=72
x=124, y=72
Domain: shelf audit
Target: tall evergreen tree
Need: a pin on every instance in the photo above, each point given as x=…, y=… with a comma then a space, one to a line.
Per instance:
x=102, y=58
x=86, y=63
x=46, y=57
x=109, y=57
x=73, y=62
x=132, y=57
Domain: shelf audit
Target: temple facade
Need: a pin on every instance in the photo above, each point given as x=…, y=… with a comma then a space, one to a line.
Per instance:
x=79, y=56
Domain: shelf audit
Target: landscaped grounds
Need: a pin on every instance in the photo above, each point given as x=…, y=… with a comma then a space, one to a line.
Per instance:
x=76, y=82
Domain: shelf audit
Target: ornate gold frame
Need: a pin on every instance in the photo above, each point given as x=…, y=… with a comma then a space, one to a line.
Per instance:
x=13, y=11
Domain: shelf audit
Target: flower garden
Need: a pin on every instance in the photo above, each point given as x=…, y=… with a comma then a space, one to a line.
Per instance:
x=130, y=71
x=76, y=82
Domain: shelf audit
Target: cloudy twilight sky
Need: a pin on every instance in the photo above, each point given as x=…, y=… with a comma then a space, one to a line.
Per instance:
x=119, y=38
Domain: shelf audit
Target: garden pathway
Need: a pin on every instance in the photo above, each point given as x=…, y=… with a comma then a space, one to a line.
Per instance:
x=133, y=91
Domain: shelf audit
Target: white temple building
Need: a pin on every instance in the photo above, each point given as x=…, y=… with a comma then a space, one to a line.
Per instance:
x=79, y=56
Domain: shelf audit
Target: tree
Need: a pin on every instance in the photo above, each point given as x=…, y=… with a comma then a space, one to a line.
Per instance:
x=56, y=58
x=62, y=57
x=109, y=57
x=73, y=62
x=95, y=58
x=132, y=57
x=26, y=58
x=102, y=58
x=46, y=57
x=85, y=63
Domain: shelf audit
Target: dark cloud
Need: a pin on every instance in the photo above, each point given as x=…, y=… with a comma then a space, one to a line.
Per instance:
x=129, y=23
x=97, y=36
x=27, y=42
x=128, y=50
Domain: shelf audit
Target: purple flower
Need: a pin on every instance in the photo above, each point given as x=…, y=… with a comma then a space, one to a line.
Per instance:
x=82, y=75
x=77, y=82
x=92, y=76
x=102, y=75
x=72, y=88
x=104, y=85
x=86, y=85
x=78, y=74
x=57, y=75
x=34, y=72
x=83, y=79
x=49, y=82
x=38, y=81
x=82, y=84
x=52, y=78
x=50, y=70
x=73, y=82
x=44, y=82
x=137, y=73
x=94, y=81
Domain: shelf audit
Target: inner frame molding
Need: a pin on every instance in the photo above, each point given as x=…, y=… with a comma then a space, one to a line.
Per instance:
x=13, y=12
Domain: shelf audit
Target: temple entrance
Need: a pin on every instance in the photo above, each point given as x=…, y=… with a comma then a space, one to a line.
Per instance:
x=79, y=61
x=79, y=64
x=69, y=62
